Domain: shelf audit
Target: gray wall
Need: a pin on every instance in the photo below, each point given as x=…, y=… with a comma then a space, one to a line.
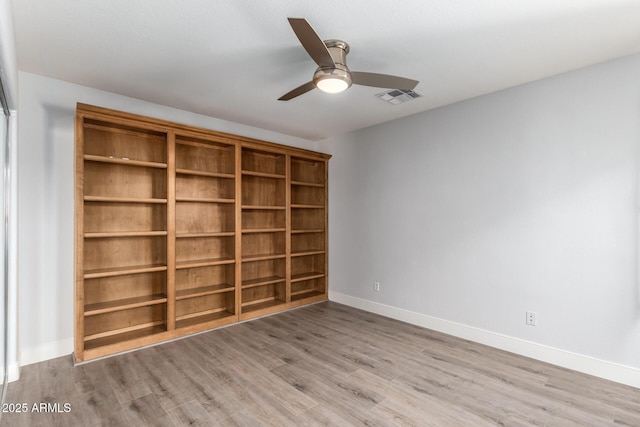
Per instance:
x=525, y=199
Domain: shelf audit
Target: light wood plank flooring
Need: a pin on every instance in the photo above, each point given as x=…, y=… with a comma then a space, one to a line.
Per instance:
x=325, y=364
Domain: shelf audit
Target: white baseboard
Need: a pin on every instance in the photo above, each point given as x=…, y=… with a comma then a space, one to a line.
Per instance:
x=13, y=372
x=46, y=351
x=578, y=362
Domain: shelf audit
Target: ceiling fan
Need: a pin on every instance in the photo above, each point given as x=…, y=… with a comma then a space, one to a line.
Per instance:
x=333, y=75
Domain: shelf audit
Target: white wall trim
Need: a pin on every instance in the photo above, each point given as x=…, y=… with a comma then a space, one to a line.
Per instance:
x=13, y=369
x=578, y=362
x=46, y=351
x=13, y=372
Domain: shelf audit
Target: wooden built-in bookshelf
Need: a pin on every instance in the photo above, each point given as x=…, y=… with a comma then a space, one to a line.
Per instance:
x=181, y=229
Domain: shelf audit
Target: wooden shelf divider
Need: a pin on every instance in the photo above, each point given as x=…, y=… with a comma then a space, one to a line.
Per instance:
x=263, y=174
x=122, y=271
x=204, y=262
x=123, y=199
x=204, y=173
x=123, y=304
x=204, y=290
x=307, y=184
x=204, y=200
x=124, y=161
x=124, y=234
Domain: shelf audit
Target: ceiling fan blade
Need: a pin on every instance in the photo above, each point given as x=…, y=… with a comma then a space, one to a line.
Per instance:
x=312, y=43
x=300, y=90
x=382, y=80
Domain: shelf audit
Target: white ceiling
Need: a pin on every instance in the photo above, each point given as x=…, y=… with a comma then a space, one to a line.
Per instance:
x=232, y=59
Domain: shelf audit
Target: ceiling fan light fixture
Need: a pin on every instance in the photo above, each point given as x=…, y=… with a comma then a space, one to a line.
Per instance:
x=332, y=85
x=334, y=80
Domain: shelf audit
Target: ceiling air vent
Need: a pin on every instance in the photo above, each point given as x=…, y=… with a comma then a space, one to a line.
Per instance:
x=398, y=96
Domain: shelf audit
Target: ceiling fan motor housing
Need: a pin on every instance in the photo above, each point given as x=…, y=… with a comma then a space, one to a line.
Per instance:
x=338, y=51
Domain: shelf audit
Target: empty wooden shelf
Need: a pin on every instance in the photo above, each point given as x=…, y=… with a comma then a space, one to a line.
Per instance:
x=181, y=229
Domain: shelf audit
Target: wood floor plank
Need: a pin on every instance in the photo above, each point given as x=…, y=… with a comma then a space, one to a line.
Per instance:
x=529, y=388
x=206, y=359
x=261, y=378
x=503, y=370
x=241, y=419
x=100, y=407
x=205, y=388
x=88, y=377
x=401, y=407
x=314, y=347
x=27, y=388
x=324, y=364
x=247, y=348
x=237, y=378
x=346, y=399
x=159, y=378
x=56, y=379
x=192, y=413
x=293, y=355
x=146, y=411
x=259, y=403
x=250, y=332
x=122, y=375
x=484, y=394
x=326, y=415
x=330, y=388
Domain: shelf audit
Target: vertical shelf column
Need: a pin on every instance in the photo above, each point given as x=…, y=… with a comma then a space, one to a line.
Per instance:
x=264, y=232
x=308, y=211
x=121, y=264
x=171, y=231
x=206, y=233
x=79, y=239
x=238, y=227
x=288, y=226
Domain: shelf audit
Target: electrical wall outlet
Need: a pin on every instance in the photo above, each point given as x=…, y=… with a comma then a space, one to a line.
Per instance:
x=376, y=286
x=531, y=318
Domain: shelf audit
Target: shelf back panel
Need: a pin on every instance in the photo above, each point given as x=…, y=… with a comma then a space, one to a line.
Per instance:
x=125, y=320
x=204, y=187
x=307, y=219
x=316, y=285
x=307, y=242
x=202, y=277
x=113, y=253
x=255, y=270
x=308, y=264
x=108, y=289
x=120, y=141
x=116, y=180
x=301, y=195
x=205, y=305
x=120, y=217
x=263, y=162
x=305, y=170
x=192, y=249
x=274, y=291
x=263, y=243
x=204, y=156
x=255, y=219
x=195, y=217
x=260, y=191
